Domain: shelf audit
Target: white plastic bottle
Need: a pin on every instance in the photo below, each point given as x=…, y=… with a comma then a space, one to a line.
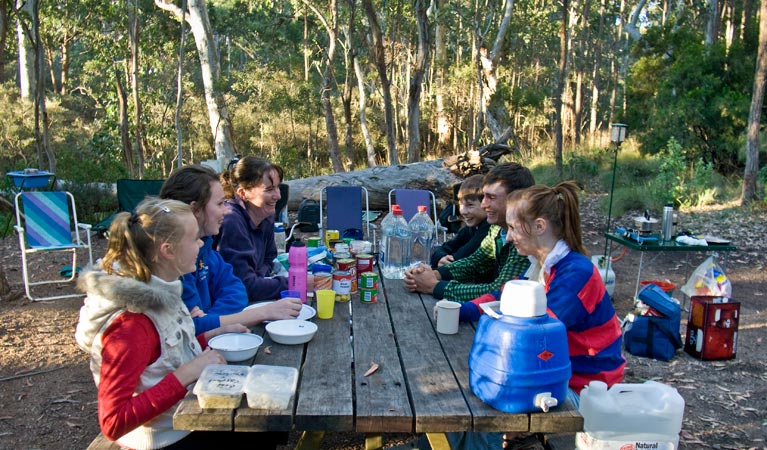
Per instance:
x=647, y=415
x=395, y=244
x=422, y=229
x=604, y=265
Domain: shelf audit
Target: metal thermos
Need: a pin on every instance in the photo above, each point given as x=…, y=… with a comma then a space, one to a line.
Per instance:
x=668, y=222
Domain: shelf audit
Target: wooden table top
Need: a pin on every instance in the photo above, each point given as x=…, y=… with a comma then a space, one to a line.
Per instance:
x=421, y=384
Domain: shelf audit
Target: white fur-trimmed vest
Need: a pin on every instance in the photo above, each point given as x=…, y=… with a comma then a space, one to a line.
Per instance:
x=108, y=297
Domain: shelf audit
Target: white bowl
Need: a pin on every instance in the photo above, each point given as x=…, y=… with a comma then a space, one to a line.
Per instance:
x=236, y=346
x=291, y=331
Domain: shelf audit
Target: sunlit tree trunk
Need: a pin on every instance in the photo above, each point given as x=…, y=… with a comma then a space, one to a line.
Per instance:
x=4, y=25
x=595, y=77
x=560, y=92
x=370, y=151
x=122, y=113
x=440, y=61
x=42, y=122
x=134, y=32
x=218, y=114
x=489, y=78
x=327, y=82
x=712, y=21
x=378, y=56
x=750, y=192
x=24, y=13
x=416, y=83
x=346, y=98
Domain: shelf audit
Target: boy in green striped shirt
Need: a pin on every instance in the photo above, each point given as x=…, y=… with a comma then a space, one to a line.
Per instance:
x=495, y=261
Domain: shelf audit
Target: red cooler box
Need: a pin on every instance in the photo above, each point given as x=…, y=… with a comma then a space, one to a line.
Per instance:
x=712, y=328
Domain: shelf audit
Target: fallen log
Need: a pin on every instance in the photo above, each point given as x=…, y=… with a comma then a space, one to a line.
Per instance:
x=379, y=181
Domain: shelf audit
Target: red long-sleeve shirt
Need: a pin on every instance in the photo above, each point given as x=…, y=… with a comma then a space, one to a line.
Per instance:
x=130, y=344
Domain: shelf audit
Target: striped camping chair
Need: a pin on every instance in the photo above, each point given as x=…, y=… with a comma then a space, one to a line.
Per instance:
x=47, y=222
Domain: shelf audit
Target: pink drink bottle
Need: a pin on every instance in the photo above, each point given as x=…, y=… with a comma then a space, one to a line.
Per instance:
x=298, y=268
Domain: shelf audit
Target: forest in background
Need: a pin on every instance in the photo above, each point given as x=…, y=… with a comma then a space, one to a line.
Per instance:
x=96, y=90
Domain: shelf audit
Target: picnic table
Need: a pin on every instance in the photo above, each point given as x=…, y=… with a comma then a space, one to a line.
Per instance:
x=421, y=384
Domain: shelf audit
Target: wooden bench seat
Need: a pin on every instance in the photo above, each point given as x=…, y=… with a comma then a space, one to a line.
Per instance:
x=102, y=443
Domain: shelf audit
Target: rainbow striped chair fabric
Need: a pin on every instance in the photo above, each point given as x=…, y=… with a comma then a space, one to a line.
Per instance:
x=46, y=221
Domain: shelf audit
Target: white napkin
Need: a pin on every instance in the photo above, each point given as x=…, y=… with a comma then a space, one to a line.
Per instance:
x=689, y=240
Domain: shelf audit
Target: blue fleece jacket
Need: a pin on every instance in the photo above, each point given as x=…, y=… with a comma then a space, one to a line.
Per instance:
x=250, y=249
x=213, y=288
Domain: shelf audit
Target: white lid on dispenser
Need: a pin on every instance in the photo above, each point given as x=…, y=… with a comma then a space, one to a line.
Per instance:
x=523, y=298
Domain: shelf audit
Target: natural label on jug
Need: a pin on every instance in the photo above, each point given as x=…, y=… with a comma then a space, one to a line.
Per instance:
x=585, y=441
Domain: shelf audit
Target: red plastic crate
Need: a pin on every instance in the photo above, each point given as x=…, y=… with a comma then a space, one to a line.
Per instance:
x=712, y=328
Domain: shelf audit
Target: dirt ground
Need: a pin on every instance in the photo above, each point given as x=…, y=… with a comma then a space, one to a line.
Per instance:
x=48, y=399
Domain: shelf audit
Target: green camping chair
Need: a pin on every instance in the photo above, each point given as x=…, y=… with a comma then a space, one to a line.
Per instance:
x=129, y=194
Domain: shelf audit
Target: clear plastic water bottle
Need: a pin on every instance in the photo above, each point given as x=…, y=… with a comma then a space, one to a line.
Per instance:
x=395, y=244
x=422, y=228
x=279, y=237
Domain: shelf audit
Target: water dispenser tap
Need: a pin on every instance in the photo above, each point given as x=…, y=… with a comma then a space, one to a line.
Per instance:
x=545, y=401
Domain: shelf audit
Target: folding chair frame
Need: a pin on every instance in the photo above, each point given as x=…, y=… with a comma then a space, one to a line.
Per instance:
x=365, y=222
x=437, y=226
x=72, y=247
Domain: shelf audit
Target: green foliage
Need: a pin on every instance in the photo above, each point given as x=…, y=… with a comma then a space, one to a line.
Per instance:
x=95, y=201
x=682, y=183
x=699, y=95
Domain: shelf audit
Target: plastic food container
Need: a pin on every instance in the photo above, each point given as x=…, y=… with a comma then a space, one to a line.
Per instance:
x=270, y=387
x=220, y=386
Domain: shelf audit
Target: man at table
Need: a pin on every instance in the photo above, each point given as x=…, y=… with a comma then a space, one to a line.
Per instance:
x=495, y=261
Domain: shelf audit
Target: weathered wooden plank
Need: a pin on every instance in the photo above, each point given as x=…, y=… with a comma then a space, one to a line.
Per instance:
x=272, y=354
x=562, y=419
x=457, y=348
x=382, y=401
x=189, y=416
x=438, y=404
x=325, y=401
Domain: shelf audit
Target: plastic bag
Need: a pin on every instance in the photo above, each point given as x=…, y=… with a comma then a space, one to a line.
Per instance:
x=709, y=280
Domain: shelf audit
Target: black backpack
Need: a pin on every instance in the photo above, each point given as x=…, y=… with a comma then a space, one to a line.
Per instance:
x=309, y=213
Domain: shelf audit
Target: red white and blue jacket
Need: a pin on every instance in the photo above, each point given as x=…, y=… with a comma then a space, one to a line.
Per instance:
x=577, y=296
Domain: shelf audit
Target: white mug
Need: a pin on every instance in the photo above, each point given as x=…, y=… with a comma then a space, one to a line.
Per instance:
x=446, y=315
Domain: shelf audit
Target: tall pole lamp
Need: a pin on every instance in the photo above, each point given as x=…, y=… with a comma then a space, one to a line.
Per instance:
x=617, y=136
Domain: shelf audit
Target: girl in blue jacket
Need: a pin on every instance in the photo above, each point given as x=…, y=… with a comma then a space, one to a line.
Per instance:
x=212, y=293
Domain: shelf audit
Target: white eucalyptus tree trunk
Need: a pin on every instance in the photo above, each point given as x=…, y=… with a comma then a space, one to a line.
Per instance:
x=199, y=23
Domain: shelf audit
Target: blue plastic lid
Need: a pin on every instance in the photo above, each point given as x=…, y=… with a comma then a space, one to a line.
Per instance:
x=319, y=267
x=278, y=228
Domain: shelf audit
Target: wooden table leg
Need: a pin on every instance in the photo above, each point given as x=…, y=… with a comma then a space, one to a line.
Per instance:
x=310, y=440
x=438, y=441
x=373, y=441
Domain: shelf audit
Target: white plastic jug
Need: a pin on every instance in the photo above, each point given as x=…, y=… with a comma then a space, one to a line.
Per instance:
x=637, y=416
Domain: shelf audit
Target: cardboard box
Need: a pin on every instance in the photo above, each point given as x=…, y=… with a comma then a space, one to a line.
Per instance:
x=712, y=328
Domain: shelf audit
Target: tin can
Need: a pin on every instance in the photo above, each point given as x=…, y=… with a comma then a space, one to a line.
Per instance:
x=342, y=284
x=368, y=295
x=323, y=280
x=364, y=263
x=330, y=235
x=368, y=280
x=313, y=241
x=341, y=247
x=349, y=265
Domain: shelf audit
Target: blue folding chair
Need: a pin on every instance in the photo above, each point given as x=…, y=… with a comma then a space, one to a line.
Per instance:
x=410, y=199
x=344, y=211
x=47, y=222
